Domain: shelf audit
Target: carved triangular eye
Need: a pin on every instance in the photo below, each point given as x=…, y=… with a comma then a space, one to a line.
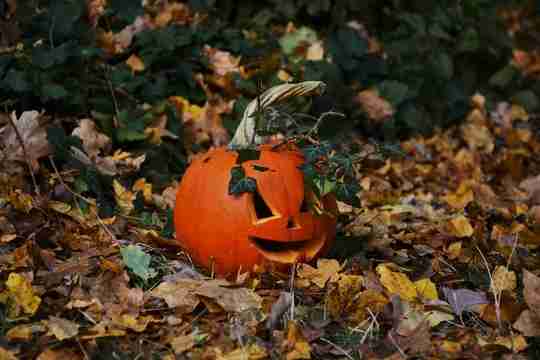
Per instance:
x=262, y=210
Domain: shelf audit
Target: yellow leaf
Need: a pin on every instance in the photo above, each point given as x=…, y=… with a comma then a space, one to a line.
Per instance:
x=19, y=296
x=23, y=332
x=124, y=198
x=326, y=269
x=146, y=188
x=59, y=206
x=249, y=352
x=397, y=283
x=503, y=279
x=454, y=250
x=451, y=346
x=426, y=289
x=460, y=227
x=369, y=300
x=461, y=198
x=135, y=63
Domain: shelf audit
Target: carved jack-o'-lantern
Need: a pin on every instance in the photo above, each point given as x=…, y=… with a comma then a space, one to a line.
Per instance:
x=273, y=224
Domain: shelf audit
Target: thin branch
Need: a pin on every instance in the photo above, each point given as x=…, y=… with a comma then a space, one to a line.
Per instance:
x=338, y=348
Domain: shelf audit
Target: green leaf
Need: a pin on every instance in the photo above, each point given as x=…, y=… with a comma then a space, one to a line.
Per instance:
x=138, y=261
x=126, y=10
x=414, y=21
x=239, y=183
x=393, y=91
x=469, y=41
x=442, y=65
x=168, y=229
x=504, y=77
x=346, y=192
x=132, y=128
x=290, y=41
x=528, y=99
x=324, y=185
x=53, y=91
x=16, y=80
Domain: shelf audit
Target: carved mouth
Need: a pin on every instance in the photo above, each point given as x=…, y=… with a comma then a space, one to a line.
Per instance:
x=288, y=252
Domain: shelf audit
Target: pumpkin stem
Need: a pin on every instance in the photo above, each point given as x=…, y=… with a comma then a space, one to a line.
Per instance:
x=245, y=135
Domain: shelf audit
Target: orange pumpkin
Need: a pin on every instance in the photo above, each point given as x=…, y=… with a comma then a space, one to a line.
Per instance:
x=274, y=224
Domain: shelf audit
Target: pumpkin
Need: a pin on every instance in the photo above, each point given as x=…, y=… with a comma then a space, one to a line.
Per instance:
x=274, y=224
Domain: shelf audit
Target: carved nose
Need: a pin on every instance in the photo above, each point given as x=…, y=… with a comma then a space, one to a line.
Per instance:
x=291, y=224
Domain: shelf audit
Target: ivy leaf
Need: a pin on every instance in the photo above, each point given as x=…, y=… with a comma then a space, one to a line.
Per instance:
x=138, y=261
x=324, y=185
x=239, y=183
x=16, y=80
x=127, y=10
x=394, y=91
x=315, y=152
x=442, y=65
x=346, y=192
x=53, y=91
x=131, y=130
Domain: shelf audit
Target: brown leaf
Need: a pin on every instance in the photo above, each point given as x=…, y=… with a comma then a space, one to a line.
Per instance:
x=95, y=8
x=135, y=63
x=230, y=299
x=59, y=354
x=33, y=135
x=327, y=269
x=94, y=142
x=178, y=294
x=531, y=290
x=528, y=323
x=61, y=328
x=221, y=62
x=376, y=107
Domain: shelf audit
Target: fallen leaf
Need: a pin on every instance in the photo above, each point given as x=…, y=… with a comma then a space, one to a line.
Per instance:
x=461, y=197
x=24, y=332
x=249, y=352
x=221, y=62
x=60, y=354
x=296, y=346
x=460, y=227
x=94, y=142
x=19, y=296
x=61, y=328
x=327, y=269
x=124, y=198
x=34, y=138
x=463, y=299
x=135, y=63
x=183, y=343
x=173, y=12
x=374, y=106
x=531, y=290
x=397, y=283
x=528, y=323
x=230, y=299
x=503, y=279
x=426, y=289
x=178, y=294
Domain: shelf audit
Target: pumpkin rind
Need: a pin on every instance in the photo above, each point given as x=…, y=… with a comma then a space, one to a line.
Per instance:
x=225, y=232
